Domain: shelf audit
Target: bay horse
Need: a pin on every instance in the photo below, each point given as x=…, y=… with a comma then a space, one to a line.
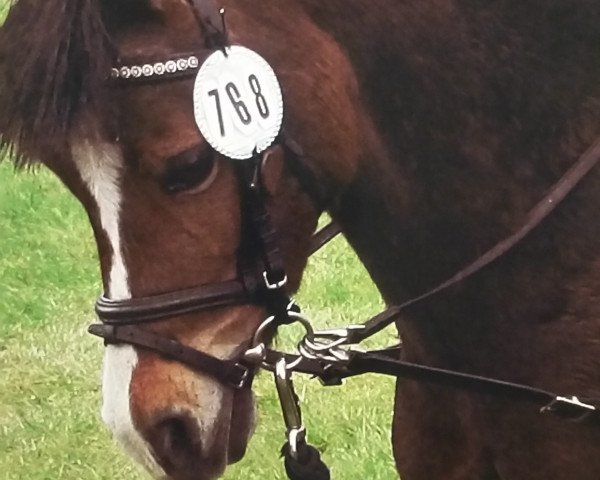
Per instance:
x=431, y=128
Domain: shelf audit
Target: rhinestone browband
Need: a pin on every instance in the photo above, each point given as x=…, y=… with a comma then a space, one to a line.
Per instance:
x=148, y=71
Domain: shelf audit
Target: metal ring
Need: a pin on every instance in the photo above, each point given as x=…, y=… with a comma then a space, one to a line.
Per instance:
x=299, y=318
x=274, y=285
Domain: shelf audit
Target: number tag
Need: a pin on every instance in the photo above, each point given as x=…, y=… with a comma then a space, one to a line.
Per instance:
x=238, y=103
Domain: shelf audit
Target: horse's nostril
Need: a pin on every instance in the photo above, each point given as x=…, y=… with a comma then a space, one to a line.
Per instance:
x=176, y=441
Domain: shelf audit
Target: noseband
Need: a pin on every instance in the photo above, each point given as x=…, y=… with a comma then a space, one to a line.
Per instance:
x=261, y=280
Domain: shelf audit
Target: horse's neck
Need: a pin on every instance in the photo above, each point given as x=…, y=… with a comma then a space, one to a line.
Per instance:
x=478, y=124
x=413, y=247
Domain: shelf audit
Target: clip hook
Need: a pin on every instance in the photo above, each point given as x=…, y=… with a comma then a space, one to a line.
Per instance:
x=292, y=416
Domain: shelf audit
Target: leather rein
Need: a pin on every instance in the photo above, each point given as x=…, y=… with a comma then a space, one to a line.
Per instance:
x=328, y=355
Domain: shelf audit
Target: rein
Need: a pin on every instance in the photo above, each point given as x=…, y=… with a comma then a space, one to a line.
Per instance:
x=322, y=354
x=329, y=355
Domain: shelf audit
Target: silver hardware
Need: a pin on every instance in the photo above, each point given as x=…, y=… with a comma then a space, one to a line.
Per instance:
x=345, y=332
x=171, y=66
x=293, y=307
x=295, y=437
x=255, y=355
x=327, y=344
x=157, y=69
x=316, y=349
x=136, y=71
x=569, y=402
x=147, y=70
x=292, y=416
x=259, y=335
x=243, y=380
x=182, y=64
x=274, y=285
x=124, y=72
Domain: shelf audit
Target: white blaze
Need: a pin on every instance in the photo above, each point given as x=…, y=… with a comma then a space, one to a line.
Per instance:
x=100, y=169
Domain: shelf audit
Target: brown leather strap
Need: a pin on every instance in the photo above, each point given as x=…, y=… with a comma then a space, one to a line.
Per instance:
x=387, y=362
x=226, y=371
x=318, y=189
x=324, y=236
x=567, y=407
x=141, y=310
x=260, y=238
x=208, y=15
x=536, y=215
x=153, y=308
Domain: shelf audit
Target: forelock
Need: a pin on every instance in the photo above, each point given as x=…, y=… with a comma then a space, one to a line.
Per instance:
x=55, y=56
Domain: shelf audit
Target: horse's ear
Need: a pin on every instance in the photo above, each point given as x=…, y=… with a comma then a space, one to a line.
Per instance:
x=55, y=56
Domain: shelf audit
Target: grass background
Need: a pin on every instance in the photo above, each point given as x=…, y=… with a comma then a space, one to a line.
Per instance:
x=50, y=368
x=50, y=426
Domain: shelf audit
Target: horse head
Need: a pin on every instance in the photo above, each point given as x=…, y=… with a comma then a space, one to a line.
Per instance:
x=165, y=207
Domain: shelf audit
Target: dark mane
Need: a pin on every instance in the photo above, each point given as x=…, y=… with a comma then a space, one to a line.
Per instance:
x=54, y=59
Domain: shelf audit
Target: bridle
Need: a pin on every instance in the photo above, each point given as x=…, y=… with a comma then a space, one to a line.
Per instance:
x=261, y=280
x=261, y=277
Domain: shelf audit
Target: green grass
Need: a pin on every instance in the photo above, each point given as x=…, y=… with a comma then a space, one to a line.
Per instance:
x=50, y=388
x=4, y=6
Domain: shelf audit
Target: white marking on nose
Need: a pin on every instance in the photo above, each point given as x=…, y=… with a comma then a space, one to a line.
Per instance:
x=100, y=168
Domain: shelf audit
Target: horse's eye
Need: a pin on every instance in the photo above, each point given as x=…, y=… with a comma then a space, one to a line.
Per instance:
x=190, y=171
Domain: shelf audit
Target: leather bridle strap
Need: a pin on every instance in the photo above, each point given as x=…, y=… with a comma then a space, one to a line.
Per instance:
x=324, y=236
x=536, y=215
x=152, y=308
x=262, y=281
x=386, y=362
x=226, y=371
x=208, y=16
x=149, y=309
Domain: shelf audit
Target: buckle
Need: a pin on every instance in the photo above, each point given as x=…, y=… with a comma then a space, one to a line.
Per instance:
x=244, y=379
x=274, y=285
x=569, y=407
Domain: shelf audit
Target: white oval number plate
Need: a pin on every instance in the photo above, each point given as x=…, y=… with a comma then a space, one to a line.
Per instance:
x=238, y=103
